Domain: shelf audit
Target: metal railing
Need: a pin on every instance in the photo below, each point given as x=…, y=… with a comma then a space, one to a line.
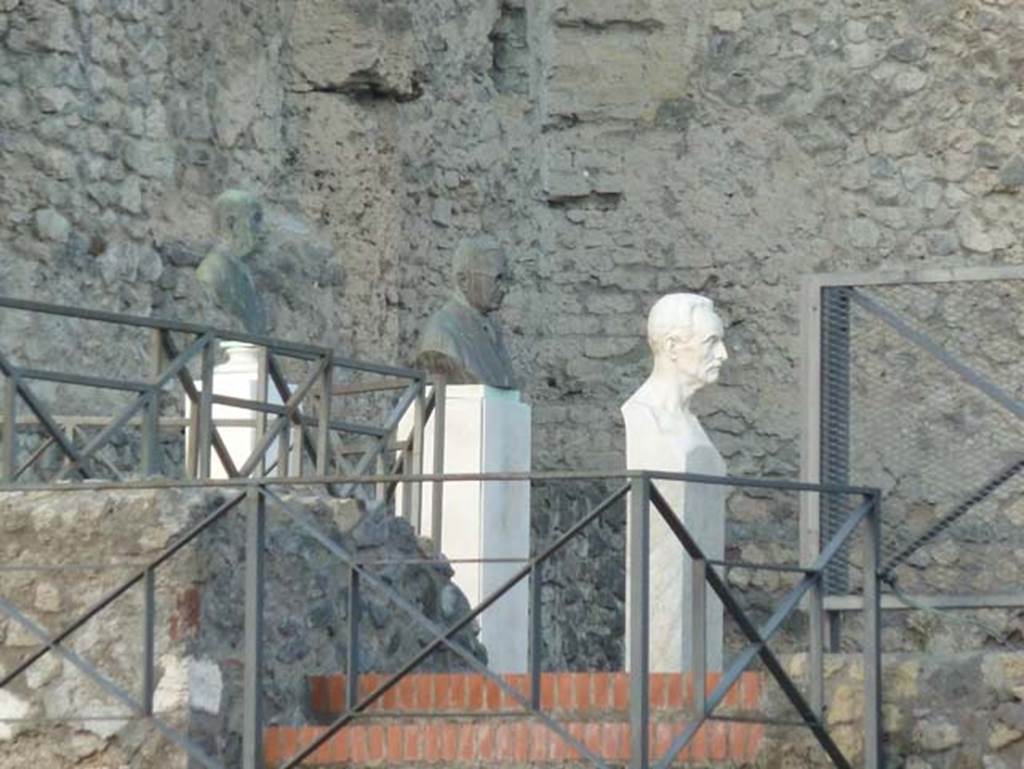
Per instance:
x=254, y=496
x=913, y=378
x=300, y=425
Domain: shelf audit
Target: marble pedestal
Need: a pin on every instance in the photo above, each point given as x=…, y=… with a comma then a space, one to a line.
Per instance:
x=238, y=377
x=486, y=430
x=701, y=508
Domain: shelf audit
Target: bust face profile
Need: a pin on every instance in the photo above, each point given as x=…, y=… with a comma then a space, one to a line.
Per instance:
x=459, y=341
x=480, y=273
x=686, y=337
x=238, y=222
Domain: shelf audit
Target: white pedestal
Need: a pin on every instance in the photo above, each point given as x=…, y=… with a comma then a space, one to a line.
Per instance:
x=487, y=430
x=238, y=377
x=701, y=508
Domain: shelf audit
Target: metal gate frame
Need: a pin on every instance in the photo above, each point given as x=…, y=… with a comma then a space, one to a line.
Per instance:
x=813, y=423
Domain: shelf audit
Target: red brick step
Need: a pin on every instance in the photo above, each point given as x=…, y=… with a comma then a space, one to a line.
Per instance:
x=469, y=721
x=561, y=693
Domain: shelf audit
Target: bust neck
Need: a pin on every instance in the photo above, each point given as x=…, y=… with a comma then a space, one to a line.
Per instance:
x=460, y=297
x=665, y=392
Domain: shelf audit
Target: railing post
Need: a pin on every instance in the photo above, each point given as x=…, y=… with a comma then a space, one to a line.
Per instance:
x=437, y=490
x=872, y=638
x=149, y=641
x=205, y=421
x=405, y=503
x=252, y=725
x=284, y=453
x=415, y=466
x=698, y=621
x=536, y=637
x=323, y=436
x=10, y=439
x=263, y=396
x=298, y=455
x=816, y=654
x=381, y=488
x=639, y=631
x=352, y=667
x=150, y=459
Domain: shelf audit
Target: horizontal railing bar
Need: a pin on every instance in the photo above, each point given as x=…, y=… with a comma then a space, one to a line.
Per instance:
x=69, y=421
x=387, y=715
x=538, y=476
x=931, y=275
x=48, y=375
x=762, y=566
x=367, y=387
x=893, y=602
x=336, y=425
x=71, y=567
x=83, y=719
x=179, y=423
x=736, y=719
x=427, y=561
x=279, y=346
x=758, y=483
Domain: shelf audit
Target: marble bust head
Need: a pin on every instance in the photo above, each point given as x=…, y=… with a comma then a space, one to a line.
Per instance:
x=238, y=222
x=685, y=335
x=480, y=273
x=460, y=341
x=238, y=225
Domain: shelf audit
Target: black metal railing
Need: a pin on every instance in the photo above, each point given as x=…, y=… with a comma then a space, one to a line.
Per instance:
x=911, y=381
x=300, y=429
x=254, y=496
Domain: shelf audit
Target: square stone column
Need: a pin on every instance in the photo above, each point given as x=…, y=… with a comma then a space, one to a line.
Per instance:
x=487, y=430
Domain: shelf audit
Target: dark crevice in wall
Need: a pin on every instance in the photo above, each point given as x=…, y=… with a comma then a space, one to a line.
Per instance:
x=597, y=201
x=510, y=68
x=370, y=85
x=643, y=26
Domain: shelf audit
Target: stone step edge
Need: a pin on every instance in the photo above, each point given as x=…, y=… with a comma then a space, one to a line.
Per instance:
x=498, y=740
x=577, y=693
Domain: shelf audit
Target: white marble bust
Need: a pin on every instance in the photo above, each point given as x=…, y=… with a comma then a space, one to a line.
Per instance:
x=662, y=433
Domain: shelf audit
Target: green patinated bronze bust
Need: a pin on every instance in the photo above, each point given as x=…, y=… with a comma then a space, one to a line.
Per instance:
x=460, y=342
x=238, y=223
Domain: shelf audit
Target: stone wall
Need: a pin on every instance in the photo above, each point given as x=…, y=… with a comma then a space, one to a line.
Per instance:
x=62, y=552
x=621, y=153
x=953, y=711
x=619, y=150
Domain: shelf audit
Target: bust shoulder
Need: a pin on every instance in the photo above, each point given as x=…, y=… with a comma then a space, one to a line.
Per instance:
x=441, y=331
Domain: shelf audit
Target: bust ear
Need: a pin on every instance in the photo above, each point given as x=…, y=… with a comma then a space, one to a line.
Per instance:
x=462, y=281
x=672, y=344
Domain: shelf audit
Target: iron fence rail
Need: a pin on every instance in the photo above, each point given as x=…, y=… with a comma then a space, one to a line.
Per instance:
x=934, y=327
x=307, y=438
x=255, y=495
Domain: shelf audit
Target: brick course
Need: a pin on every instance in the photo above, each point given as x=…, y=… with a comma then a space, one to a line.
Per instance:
x=473, y=720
